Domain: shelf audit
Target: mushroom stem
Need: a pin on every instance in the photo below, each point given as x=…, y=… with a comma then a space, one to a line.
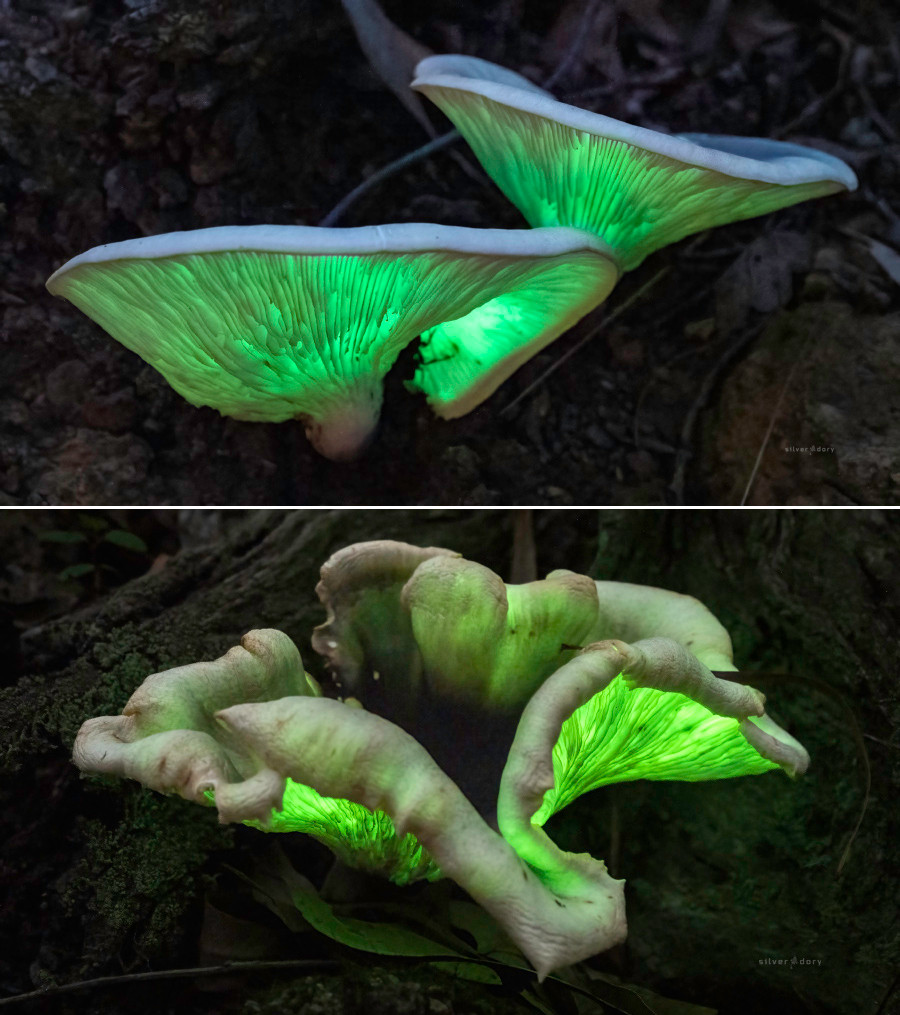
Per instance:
x=344, y=435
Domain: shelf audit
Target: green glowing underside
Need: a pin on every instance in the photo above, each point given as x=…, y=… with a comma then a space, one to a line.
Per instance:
x=497, y=651
x=465, y=360
x=622, y=734
x=619, y=735
x=272, y=336
x=359, y=837
x=637, y=201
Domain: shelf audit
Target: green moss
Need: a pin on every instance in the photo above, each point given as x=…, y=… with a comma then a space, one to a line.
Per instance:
x=139, y=874
x=377, y=990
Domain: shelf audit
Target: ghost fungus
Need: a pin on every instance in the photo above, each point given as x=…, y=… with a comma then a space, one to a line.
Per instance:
x=637, y=188
x=277, y=322
x=170, y=737
x=428, y=622
x=424, y=626
x=252, y=735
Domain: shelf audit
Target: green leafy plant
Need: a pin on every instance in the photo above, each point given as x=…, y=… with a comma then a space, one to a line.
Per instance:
x=91, y=535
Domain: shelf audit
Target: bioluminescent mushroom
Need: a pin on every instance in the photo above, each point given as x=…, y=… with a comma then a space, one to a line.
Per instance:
x=473, y=667
x=279, y=322
x=637, y=188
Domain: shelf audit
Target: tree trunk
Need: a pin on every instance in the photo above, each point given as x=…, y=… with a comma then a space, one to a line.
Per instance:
x=728, y=882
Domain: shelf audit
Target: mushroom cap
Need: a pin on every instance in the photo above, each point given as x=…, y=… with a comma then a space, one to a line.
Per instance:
x=637, y=188
x=443, y=645
x=277, y=322
x=251, y=734
x=490, y=645
x=278, y=756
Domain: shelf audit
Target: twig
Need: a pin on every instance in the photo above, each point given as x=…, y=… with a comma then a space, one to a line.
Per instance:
x=834, y=695
x=882, y=1007
x=709, y=382
x=289, y=964
x=662, y=317
x=893, y=44
x=707, y=34
x=867, y=779
x=884, y=743
x=411, y=158
x=523, y=566
x=650, y=82
x=592, y=333
x=615, y=832
x=877, y=200
x=814, y=108
x=638, y=440
x=771, y=426
x=717, y=253
x=576, y=45
x=227, y=969
x=875, y=113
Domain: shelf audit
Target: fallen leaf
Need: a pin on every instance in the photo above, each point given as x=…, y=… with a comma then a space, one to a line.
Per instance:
x=886, y=256
x=761, y=278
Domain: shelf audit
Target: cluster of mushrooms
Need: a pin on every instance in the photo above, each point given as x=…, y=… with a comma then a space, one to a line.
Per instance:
x=280, y=322
x=470, y=711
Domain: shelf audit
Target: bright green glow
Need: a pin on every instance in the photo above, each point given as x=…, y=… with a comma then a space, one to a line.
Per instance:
x=359, y=837
x=271, y=336
x=464, y=361
x=492, y=644
x=620, y=735
x=636, y=200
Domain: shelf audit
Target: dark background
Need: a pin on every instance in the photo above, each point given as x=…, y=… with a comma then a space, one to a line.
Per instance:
x=106, y=878
x=122, y=119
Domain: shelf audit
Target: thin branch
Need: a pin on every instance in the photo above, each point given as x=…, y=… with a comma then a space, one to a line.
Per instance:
x=227, y=969
x=709, y=382
x=409, y=159
x=884, y=743
x=882, y=1007
x=615, y=832
x=523, y=566
x=834, y=695
x=445, y=140
x=592, y=333
x=637, y=439
x=289, y=965
x=574, y=48
x=709, y=31
x=811, y=111
x=640, y=82
x=772, y=420
x=875, y=113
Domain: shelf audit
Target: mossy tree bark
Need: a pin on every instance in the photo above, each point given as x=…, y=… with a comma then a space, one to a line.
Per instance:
x=727, y=882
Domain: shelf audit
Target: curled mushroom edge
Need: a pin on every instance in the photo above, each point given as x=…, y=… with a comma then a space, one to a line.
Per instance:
x=251, y=733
